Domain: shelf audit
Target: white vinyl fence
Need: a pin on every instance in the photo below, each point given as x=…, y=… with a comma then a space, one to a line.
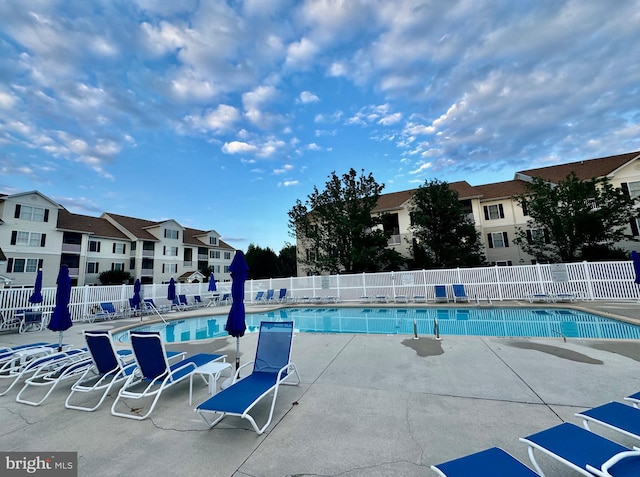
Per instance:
x=586, y=280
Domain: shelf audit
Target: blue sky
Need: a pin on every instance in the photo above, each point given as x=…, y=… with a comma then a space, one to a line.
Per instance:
x=221, y=114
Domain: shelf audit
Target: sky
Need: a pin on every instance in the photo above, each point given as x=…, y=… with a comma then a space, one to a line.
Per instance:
x=221, y=114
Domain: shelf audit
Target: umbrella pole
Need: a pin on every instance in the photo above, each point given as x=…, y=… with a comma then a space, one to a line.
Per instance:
x=237, y=353
x=59, y=341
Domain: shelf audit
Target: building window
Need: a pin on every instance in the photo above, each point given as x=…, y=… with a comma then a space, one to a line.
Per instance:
x=226, y=269
x=94, y=246
x=23, y=265
x=117, y=266
x=216, y=269
x=171, y=251
x=214, y=254
x=227, y=255
x=92, y=267
x=538, y=236
x=493, y=212
x=504, y=263
x=169, y=268
x=213, y=241
x=634, y=189
x=28, y=212
x=119, y=248
x=498, y=240
x=28, y=239
x=171, y=234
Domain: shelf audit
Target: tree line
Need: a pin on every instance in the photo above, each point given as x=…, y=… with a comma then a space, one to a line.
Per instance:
x=570, y=221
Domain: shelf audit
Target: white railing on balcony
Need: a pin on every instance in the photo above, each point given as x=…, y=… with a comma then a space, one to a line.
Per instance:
x=587, y=280
x=148, y=253
x=71, y=248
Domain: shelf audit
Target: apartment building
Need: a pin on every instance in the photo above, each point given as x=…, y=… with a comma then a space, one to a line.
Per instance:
x=497, y=215
x=37, y=233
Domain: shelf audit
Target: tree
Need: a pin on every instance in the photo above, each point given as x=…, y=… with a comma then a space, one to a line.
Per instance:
x=337, y=228
x=444, y=234
x=262, y=262
x=287, y=261
x=115, y=277
x=570, y=219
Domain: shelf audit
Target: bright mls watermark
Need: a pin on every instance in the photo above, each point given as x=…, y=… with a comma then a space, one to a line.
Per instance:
x=51, y=464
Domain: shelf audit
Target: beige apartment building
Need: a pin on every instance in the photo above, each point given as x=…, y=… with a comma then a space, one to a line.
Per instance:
x=497, y=215
x=38, y=233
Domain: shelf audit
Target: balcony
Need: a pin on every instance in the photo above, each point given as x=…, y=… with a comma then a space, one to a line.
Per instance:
x=74, y=272
x=203, y=256
x=71, y=248
x=146, y=272
x=187, y=264
x=148, y=253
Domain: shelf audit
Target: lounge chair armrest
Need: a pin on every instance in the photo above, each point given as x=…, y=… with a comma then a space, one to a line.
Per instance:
x=237, y=373
x=604, y=471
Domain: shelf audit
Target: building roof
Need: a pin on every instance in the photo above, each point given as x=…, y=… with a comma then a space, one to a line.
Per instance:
x=499, y=190
x=86, y=224
x=137, y=227
x=395, y=200
x=190, y=236
x=585, y=170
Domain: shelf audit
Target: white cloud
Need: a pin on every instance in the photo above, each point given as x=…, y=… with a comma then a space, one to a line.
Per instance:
x=238, y=147
x=218, y=120
x=289, y=183
x=308, y=97
x=390, y=119
x=300, y=54
x=284, y=169
x=7, y=100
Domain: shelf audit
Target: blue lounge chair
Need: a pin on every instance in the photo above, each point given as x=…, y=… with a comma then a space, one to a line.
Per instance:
x=23, y=370
x=614, y=415
x=459, y=293
x=50, y=374
x=108, y=369
x=197, y=299
x=440, y=293
x=7, y=353
x=155, y=372
x=184, y=302
x=282, y=295
x=269, y=296
x=259, y=297
x=583, y=451
x=271, y=368
x=634, y=399
x=494, y=462
x=226, y=298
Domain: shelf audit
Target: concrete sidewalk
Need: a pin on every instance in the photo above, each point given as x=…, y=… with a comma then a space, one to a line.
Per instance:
x=368, y=405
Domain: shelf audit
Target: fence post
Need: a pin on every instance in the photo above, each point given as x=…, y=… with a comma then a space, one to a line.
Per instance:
x=542, y=289
x=587, y=278
x=337, y=286
x=498, y=284
x=393, y=284
x=364, y=284
x=424, y=281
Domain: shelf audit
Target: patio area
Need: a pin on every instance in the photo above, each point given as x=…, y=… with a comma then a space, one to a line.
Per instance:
x=368, y=405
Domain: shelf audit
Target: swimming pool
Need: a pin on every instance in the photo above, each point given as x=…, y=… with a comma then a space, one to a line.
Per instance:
x=503, y=322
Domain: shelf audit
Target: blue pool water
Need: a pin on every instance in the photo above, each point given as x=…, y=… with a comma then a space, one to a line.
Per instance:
x=505, y=322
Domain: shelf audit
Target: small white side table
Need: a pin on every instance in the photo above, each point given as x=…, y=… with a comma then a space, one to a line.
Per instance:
x=212, y=369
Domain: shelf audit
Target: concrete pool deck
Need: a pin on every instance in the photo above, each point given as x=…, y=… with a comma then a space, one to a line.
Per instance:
x=368, y=405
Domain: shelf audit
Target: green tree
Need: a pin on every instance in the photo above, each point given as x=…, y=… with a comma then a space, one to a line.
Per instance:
x=287, y=261
x=262, y=262
x=337, y=228
x=445, y=236
x=570, y=219
x=115, y=277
